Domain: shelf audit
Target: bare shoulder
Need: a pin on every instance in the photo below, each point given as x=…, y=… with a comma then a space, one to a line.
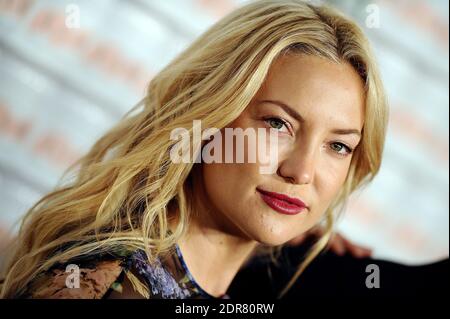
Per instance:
x=76, y=282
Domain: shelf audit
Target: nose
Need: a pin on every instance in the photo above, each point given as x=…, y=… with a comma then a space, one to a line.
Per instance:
x=299, y=166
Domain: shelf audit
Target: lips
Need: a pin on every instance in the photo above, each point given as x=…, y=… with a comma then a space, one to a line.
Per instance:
x=282, y=203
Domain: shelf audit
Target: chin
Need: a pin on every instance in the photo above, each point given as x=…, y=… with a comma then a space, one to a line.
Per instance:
x=270, y=238
x=273, y=241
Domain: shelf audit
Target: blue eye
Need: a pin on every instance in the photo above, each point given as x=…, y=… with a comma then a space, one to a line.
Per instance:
x=341, y=149
x=276, y=123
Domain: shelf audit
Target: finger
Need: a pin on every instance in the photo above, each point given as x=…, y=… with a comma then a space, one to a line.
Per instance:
x=356, y=250
x=297, y=240
x=337, y=246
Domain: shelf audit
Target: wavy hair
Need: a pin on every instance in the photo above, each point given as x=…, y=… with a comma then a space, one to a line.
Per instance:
x=123, y=188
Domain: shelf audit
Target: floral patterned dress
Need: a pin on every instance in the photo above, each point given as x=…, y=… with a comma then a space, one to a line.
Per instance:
x=166, y=278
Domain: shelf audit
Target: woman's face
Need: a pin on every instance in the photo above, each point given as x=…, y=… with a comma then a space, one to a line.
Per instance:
x=317, y=110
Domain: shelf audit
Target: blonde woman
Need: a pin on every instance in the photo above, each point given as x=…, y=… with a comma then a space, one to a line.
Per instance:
x=135, y=223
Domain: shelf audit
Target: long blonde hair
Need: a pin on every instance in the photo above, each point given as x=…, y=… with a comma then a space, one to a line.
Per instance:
x=123, y=187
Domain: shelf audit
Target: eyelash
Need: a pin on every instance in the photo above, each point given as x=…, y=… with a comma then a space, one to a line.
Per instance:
x=348, y=148
x=286, y=124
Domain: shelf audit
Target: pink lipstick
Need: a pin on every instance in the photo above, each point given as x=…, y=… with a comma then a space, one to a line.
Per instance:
x=282, y=203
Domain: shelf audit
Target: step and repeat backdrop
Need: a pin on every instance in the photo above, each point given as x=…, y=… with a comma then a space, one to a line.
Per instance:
x=70, y=69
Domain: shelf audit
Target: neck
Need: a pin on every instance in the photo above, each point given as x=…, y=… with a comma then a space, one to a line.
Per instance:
x=212, y=248
x=214, y=257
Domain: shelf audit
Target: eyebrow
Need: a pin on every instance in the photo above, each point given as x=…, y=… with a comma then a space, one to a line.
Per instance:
x=289, y=110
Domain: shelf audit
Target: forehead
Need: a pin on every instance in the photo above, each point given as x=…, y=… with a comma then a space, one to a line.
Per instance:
x=317, y=88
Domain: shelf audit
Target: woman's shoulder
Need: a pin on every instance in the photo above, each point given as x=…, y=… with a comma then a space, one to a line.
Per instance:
x=84, y=278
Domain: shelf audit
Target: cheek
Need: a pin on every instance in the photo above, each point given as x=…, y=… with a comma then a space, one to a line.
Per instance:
x=229, y=184
x=331, y=180
x=216, y=182
x=235, y=175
